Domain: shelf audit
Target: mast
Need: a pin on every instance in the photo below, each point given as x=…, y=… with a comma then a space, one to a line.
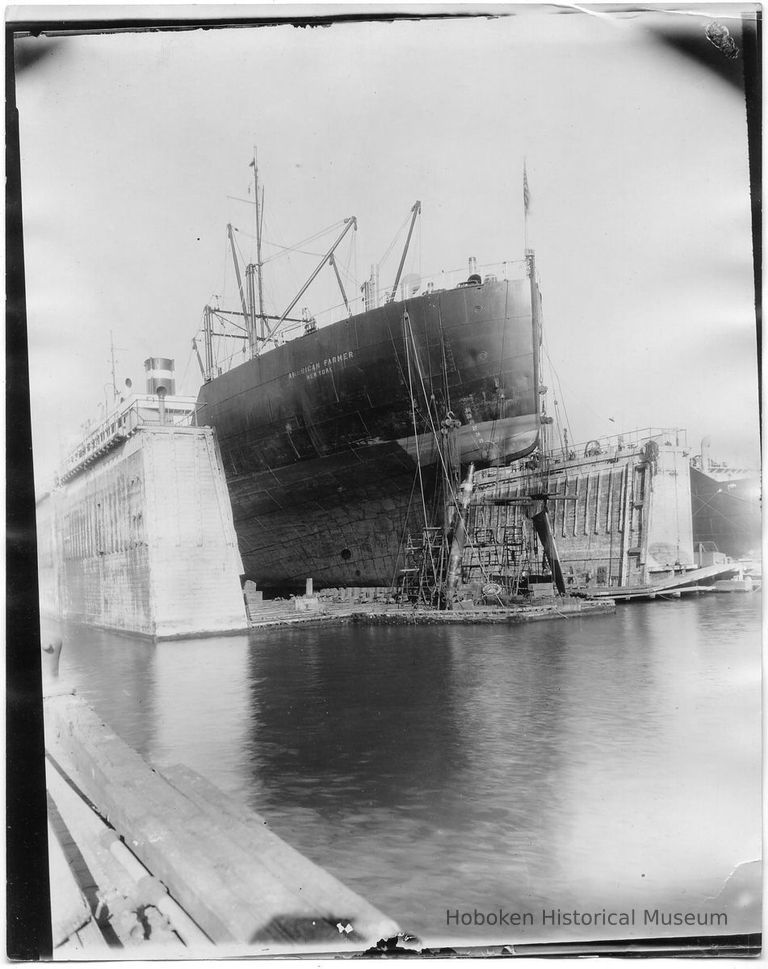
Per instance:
x=112, y=348
x=114, y=378
x=251, y=320
x=259, y=216
x=526, y=205
x=415, y=209
x=208, y=343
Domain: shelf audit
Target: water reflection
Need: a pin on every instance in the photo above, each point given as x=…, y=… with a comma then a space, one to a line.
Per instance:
x=202, y=708
x=113, y=672
x=375, y=717
x=613, y=761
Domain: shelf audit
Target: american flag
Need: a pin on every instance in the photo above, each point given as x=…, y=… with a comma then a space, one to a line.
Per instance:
x=526, y=191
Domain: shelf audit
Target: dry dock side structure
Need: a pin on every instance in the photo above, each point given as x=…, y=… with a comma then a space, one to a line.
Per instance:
x=137, y=535
x=619, y=511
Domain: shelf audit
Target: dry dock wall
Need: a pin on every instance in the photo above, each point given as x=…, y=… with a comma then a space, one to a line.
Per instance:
x=142, y=540
x=618, y=516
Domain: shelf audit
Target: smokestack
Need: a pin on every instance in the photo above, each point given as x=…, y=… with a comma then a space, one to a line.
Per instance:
x=160, y=373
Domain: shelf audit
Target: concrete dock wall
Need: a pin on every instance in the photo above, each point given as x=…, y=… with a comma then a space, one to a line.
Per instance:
x=617, y=516
x=670, y=523
x=143, y=541
x=194, y=558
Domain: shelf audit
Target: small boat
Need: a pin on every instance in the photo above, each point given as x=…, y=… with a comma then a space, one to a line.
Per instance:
x=737, y=583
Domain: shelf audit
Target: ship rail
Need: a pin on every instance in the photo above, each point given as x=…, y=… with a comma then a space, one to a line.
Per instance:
x=137, y=411
x=510, y=269
x=434, y=282
x=603, y=448
x=611, y=445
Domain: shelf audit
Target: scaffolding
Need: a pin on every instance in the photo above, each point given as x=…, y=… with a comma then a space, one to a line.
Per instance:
x=500, y=552
x=423, y=577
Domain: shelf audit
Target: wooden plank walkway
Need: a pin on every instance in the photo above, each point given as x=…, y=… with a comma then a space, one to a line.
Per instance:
x=238, y=882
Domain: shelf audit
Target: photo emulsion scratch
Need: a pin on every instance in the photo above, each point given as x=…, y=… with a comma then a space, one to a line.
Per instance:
x=395, y=430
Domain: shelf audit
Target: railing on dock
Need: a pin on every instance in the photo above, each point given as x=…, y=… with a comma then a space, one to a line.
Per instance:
x=612, y=446
x=137, y=411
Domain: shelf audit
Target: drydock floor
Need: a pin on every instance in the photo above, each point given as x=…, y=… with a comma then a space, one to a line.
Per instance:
x=292, y=612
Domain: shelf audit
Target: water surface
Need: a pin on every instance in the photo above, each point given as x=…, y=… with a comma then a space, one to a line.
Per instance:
x=598, y=763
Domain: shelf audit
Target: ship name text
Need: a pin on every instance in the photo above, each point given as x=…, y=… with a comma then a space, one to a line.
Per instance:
x=319, y=367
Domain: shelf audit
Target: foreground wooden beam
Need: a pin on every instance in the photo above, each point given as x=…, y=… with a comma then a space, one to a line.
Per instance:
x=239, y=882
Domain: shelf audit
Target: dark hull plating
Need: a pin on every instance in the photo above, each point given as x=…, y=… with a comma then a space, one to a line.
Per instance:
x=325, y=440
x=727, y=512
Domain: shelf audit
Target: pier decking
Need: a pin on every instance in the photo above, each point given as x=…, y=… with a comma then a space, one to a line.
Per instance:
x=673, y=584
x=168, y=862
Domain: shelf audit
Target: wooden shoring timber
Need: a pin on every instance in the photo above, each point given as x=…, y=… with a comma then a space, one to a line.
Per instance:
x=237, y=880
x=70, y=913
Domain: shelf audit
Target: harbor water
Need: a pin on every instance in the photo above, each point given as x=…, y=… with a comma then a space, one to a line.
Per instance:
x=453, y=773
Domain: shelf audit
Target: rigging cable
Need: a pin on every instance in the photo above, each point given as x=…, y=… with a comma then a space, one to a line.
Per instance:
x=405, y=527
x=301, y=242
x=499, y=398
x=391, y=246
x=445, y=360
x=553, y=371
x=454, y=498
x=186, y=368
x=415, y=429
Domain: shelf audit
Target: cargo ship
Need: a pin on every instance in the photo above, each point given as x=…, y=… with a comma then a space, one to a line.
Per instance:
x=339, y=442
x=726, y=506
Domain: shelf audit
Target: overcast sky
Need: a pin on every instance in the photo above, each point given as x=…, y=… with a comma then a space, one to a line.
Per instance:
x=135, y=151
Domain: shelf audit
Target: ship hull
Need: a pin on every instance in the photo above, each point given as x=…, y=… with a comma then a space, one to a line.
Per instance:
x=726, y=511
x=333, y=443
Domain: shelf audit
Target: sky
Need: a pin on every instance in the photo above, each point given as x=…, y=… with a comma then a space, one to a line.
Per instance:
x=135, y=151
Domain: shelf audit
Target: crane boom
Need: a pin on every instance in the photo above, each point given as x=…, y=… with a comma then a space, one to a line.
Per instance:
x=351, y=222
x=237, y=270
x=415, y=209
